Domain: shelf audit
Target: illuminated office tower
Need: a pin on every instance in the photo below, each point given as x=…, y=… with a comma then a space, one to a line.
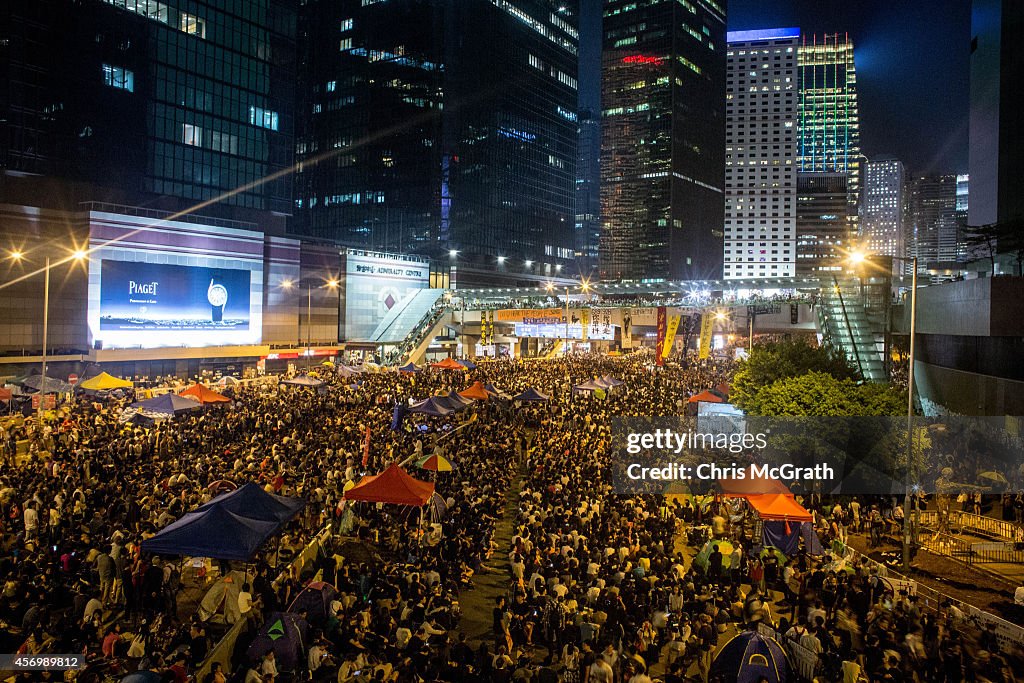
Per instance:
x=761, y=154
x=663, y=139
x=931, y=197
x=822, y=229
x=829, y=123
x=882, y=224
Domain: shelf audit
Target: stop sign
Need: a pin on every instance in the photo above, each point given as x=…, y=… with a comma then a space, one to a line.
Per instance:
x=72, y=378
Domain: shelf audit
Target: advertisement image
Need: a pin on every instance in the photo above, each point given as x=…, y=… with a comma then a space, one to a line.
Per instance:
x=149, y=296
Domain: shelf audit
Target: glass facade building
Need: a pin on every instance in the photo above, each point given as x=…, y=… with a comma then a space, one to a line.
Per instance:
x=152, y=102
x=441, y=128
x=823, y=232
x=663, y=128
x=884, y=209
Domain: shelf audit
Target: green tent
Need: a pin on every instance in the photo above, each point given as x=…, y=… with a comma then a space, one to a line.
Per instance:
x=724, y=547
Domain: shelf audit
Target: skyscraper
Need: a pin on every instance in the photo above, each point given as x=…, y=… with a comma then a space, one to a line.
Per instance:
x=829, y=121
x=761, y=154
x=588, y=192
x=156, y=102
x=823, y=231
x=882, y=225
x=663, y=139
x=931, y=197
x=448, y=128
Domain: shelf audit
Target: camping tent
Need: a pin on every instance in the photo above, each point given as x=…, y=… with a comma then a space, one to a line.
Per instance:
x=214, y=532
x=448, y=364
x=302, y=381
x=724, y=547
x=393, y=485
x=204, y=395
x=223, y=596
x=476, y=391
x=252, y=502
x=285, y=634
x=316, y=600
x=532, y=394
x=750, y=657
x=166, y=404
x=705, y=396
x=432, y=406
x=409, y=367
x=105, y=382
x=466, y=363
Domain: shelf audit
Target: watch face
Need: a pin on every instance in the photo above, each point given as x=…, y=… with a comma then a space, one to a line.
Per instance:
x=217, y=295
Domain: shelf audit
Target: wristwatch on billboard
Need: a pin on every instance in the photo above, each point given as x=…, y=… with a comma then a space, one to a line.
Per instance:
x=217, y=295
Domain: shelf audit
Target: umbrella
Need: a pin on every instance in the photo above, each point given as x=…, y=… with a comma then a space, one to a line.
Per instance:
x=328, y=363
x=994, y=477
x=228, y=381
x=222, y=486
x=435, y=462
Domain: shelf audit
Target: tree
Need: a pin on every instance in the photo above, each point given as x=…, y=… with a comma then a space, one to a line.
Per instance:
x=819, y=394
x=769, y=363
x=983, y=240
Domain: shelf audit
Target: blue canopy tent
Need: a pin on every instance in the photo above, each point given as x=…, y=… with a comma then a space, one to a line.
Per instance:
x=215, y=532
x=466, y=363
x=302, y=381
x=589, y=386
x=166, y=404
x=750, y=657
x=495, y=391
x=433, y=406
x=532, y=394
x=409, y=367
x=612, y=382
x=284, y=634
x=458, y=402
x=252, y=502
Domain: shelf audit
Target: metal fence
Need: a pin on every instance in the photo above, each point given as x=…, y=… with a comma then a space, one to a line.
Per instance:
x=1008, y=552
x=960, y=521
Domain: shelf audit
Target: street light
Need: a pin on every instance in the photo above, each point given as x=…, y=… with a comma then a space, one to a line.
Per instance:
x=858, y=258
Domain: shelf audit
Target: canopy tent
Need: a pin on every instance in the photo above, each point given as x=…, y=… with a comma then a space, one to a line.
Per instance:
x=302, y=381
x=432, y=406
x=588, y=386
x=705, y=396
x=448, y=364
x=50, y=385
x=204, y=395
x=778, y=506
x=532, y=394
x=105, y=382
x=393, y=485
x=316, y=600
x=750, y=657
x=476, y=391
x=702, y=560
x=252, y=502
x=458, y=401
x=612, y=382
x=285, y=635
x=409, y=367
x=166, y=404
x=722, y=389
x=214, y=532
x=495, y=391
x=466, y=363
x=347, y=371
x=751, y=485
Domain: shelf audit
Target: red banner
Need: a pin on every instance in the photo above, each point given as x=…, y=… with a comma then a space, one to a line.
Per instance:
x=662, y=329
x=366, y=447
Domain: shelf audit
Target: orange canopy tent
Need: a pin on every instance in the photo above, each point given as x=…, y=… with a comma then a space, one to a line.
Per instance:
x=752, y=486
x=392, y=485
x=204, y=395
x=706, y=396
x=448, y=364
x=476, y=392
x=778, y=506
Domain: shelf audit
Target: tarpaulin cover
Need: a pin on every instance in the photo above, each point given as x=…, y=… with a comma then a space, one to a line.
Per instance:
x=393, y=485
x=433, y=406
x=750, y=657
x=448, y=364
x=204, y=395
x=476, y=391
x=252, y=502
x=104, y=382
x=215, y=533
x=50, y=385
x=778, y=506
x=774, y=534
x=285, y=634
x=167, y=404
x=706, y=396
x=302, y=381
x=532, y=394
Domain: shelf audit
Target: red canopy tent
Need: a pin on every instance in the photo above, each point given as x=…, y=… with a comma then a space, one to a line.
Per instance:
x=705, y=396
x=393, y=485
x=476, y=392
x=204, y=395
x=448, y=364
x=779, y=506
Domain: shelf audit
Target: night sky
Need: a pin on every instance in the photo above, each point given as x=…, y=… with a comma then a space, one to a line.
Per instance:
x=912, y=68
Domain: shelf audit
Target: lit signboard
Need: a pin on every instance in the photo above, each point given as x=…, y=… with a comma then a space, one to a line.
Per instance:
x=375, y=283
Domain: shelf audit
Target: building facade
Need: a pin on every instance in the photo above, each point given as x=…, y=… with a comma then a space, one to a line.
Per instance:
x=588, y=192
x=883, y=231
x=829, y=120
x=663, y=132
x=823, y=231
x=931, y=197
x=761, y=154
x=444, y=128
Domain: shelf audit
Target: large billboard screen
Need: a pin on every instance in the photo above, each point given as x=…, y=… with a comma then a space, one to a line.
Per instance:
x=138, y=296
x=377, y=283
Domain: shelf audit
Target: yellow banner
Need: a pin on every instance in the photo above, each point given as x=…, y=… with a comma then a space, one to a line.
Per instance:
x=707, y=325
x=670, y=334
x=518, y=315
x=585, y=322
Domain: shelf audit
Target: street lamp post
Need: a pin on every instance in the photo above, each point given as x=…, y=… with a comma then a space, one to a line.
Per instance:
x=46, y=323
x=565, y=351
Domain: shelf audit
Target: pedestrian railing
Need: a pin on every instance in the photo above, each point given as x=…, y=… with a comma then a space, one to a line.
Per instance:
x=1009, y=552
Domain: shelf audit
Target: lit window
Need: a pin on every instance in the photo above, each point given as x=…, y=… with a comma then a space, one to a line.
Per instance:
x=346, y=25
x=345, y=44
x=191, y=135
x=116, y=77
x=192, y=25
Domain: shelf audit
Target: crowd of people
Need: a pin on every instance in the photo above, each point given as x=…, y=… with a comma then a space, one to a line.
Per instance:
x=600, y=587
